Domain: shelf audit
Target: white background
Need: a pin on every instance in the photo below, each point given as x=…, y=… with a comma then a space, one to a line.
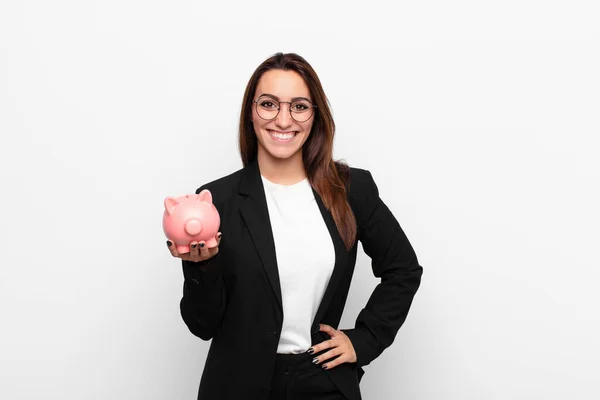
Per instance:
x=480, y=124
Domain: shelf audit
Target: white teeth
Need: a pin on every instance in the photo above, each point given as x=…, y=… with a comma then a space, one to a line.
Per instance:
x=282, y=135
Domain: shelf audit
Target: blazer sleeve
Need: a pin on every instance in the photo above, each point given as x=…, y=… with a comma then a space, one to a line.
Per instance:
x=204, y=297
x=394, y=261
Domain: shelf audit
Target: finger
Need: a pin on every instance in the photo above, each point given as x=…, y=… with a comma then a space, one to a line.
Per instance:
x=328, y=330
x=336, y=351
x=215, y=241
x=194, y=249
x=172, y=249
x=204, y=252
x=214, y=250
x=327, y=344
x=334, y=363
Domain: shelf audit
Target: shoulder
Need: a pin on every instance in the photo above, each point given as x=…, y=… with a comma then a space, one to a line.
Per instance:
x=361, y=183
x=357, y=180
x=223, y=188
x=222, y=183
x=363, y=195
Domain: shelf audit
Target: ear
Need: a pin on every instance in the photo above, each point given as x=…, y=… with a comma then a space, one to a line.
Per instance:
x=205, y=195
x=170, y=204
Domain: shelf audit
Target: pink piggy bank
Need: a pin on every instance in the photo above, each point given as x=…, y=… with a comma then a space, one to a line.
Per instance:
x=190, y=218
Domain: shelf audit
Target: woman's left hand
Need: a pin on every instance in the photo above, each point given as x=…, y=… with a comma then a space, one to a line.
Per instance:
x=339, y=344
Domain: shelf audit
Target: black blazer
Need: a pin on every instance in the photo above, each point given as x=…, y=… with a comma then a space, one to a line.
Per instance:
x=234, y=298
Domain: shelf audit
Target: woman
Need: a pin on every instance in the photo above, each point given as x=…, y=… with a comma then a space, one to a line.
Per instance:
x=270, y=295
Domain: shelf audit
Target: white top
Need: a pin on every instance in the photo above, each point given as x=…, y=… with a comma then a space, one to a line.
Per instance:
x=305, y=258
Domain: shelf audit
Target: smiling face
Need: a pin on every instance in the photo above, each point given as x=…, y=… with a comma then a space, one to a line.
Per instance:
x=281, y=138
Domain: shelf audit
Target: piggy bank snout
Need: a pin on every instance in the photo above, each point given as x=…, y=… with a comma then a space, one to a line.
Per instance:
x=193, y=226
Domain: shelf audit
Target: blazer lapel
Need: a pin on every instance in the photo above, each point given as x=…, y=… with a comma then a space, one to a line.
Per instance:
x=341, y=260
x=256, y=216
x=255, y=213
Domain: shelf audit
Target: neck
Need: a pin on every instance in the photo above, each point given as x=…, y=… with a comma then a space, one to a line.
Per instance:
x=286, y=171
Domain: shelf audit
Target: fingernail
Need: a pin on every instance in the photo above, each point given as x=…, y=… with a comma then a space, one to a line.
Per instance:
x=310, y=351
x=169, y=243
x=324, y=366
x=201, y=244
x=315, y=360
x=193, y=246
x=219, y=235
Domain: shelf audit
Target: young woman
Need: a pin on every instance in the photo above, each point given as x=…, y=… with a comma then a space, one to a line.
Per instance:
x=270, y=295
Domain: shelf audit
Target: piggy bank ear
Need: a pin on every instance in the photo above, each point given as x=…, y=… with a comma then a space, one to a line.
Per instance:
x=205, y=195
x=170, y=204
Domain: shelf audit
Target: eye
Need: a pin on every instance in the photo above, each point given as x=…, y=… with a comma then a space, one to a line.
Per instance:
x=268, y=104
x=300, y=106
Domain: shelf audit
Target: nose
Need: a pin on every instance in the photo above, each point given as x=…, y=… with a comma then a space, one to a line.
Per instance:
x=284, y=119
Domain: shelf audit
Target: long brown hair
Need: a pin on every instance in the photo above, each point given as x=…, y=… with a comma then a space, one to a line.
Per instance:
x=329, y=178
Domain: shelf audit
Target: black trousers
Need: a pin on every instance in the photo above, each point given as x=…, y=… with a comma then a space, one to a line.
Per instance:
x=295, y=377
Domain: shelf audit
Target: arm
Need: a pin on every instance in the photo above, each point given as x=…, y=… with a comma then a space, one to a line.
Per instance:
x=203, y=302
x=395, y=262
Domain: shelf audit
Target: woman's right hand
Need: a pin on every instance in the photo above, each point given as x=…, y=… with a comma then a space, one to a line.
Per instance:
x=198, y=250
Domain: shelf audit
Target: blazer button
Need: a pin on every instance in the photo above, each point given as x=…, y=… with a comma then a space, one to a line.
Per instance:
x=274, y=333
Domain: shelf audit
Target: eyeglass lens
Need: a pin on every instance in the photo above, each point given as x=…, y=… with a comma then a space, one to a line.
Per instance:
x=268, y=108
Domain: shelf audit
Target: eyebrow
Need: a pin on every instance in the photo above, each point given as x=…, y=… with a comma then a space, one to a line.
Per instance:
x=278, y=99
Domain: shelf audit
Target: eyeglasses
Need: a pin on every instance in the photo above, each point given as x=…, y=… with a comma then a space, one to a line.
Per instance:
x=268, y=108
